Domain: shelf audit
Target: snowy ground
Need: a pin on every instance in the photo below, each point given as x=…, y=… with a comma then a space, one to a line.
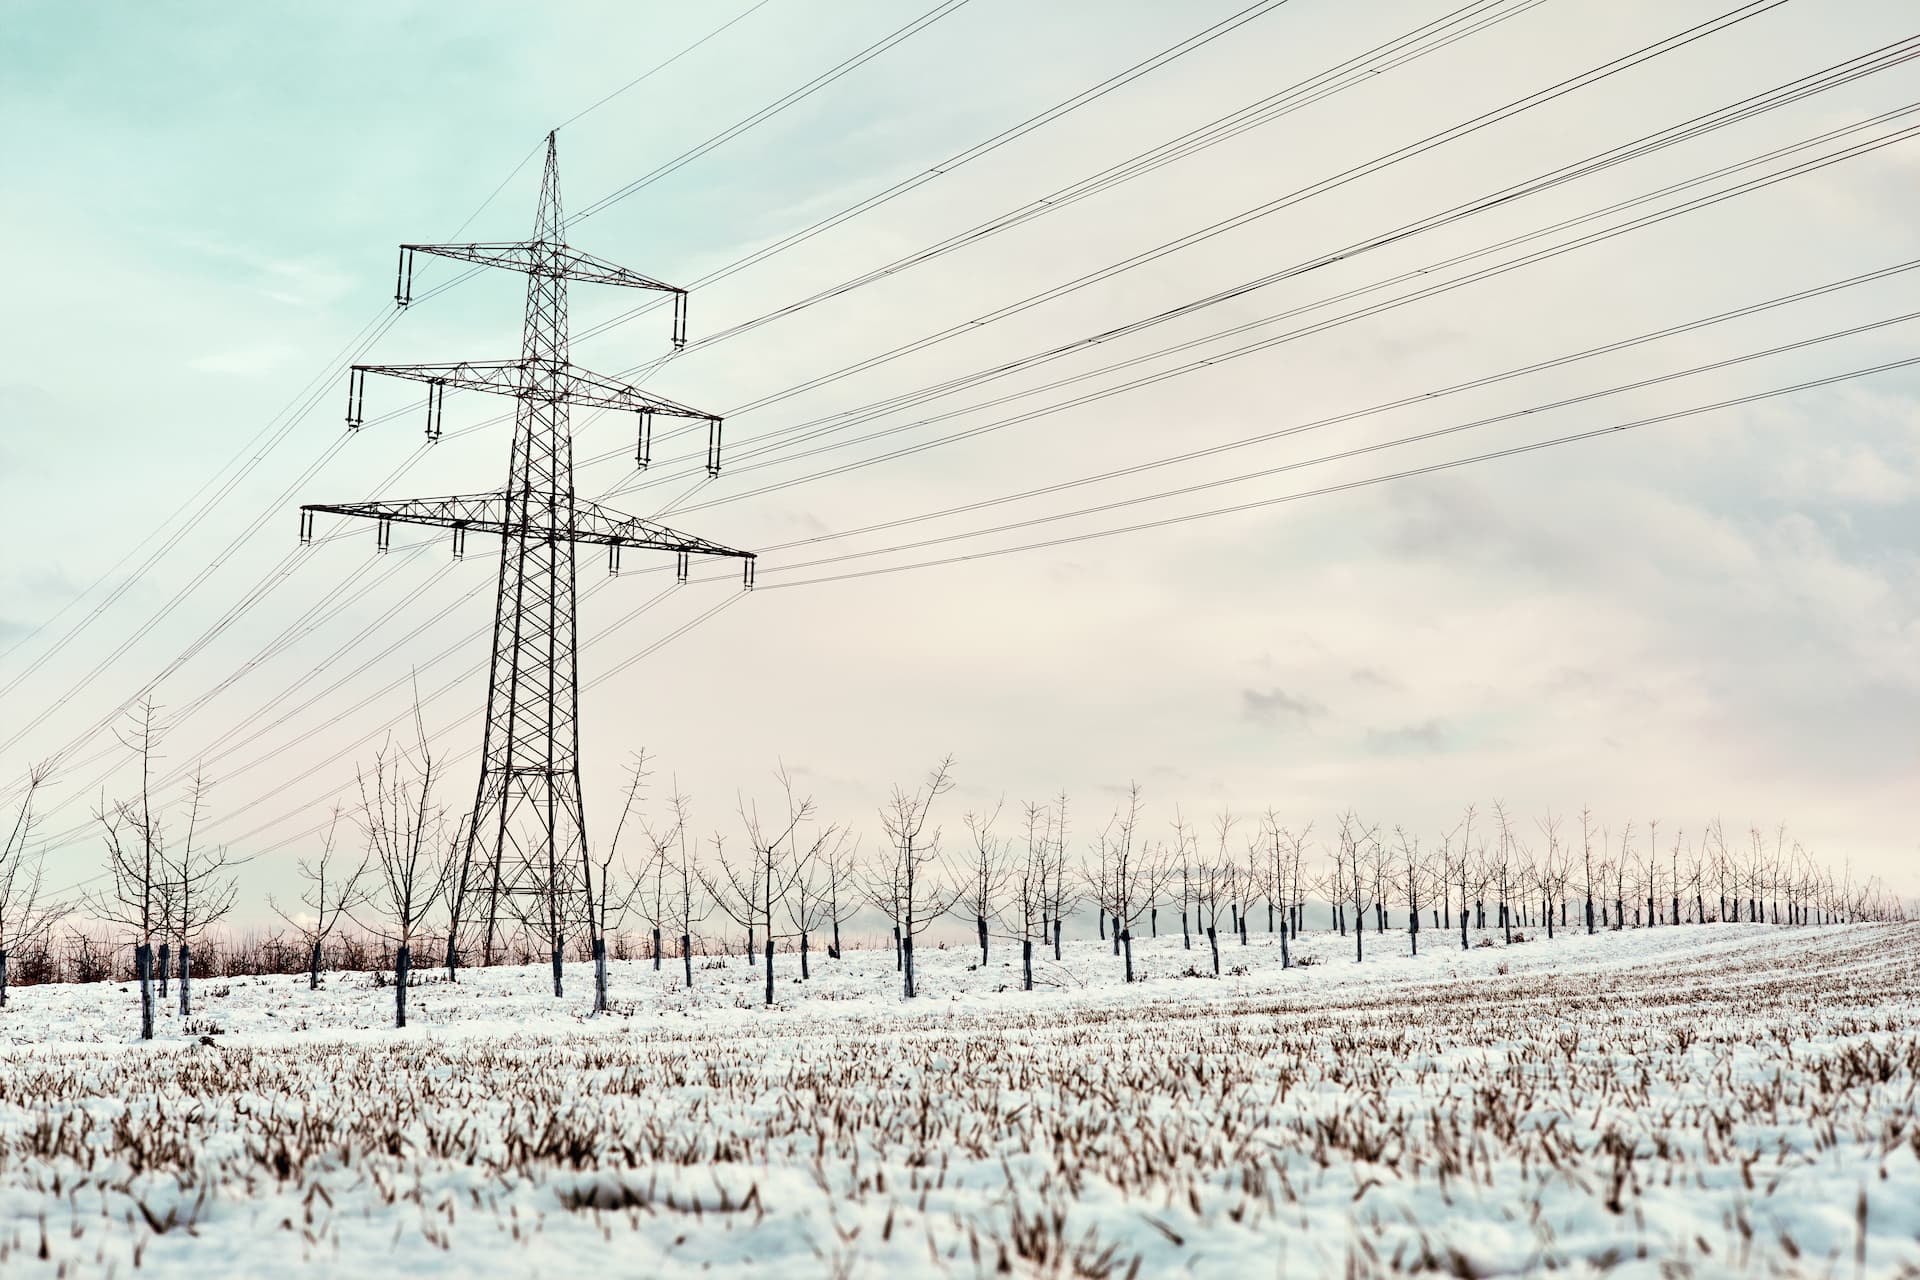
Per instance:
x=1728, y=1099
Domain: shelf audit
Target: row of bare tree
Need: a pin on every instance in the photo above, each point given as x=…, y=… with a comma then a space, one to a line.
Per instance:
x=391, y=865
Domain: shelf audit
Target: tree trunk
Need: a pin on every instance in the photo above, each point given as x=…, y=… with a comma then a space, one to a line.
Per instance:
x=1116, y=935
x=1058, y=928
x=980, y=927
x=1026, y=962
x=835, y=953
x=402, y=966
x=1359, y=933
x=1186, y=934
x=1413, y=929
x=453, y=955
x=1464, y=914
x=686, y=956
x=166, y=966
x=3, y=978
x=143, y=967
x=769, y=968
x=557, y=987
x=600, y=970
x=899, y=952
x=906, y=954
x=1676, y=910
x=656, y=948
x=1126, y=940
x=1286, y=957
x=313, y=967
x=1213, y=942
x=805, y=972
x=186, y=973
x=1103, y=924
x=1269, y=915
x=753, y=957
x=1243, y=928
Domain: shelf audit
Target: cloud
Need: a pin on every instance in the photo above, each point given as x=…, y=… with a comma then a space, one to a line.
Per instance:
x=1274, y=705
x=1426, y=738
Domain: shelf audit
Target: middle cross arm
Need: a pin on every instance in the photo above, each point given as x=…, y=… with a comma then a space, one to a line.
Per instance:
x=511, y=378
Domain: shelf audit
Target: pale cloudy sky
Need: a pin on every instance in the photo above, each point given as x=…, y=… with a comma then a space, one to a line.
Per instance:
x=1714, y=615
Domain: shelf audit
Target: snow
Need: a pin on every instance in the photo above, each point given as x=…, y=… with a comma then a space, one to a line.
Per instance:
x=1719, y=1099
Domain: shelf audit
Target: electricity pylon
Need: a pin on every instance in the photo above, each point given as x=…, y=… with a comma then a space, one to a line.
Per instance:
x=527, y=836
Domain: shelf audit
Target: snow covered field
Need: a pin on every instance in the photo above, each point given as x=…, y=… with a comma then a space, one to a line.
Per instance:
x=1726, y=1099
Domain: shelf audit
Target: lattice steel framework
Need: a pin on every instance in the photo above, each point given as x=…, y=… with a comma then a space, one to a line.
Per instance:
x=527, y=838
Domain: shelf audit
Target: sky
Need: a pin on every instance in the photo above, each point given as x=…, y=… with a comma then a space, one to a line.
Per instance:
x=1714, y=615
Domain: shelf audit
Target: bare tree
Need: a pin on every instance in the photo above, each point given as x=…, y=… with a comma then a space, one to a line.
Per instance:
x=27, y=918
x=332, y=894
x=135, y=864
x=1296, y=876
x=902, y=884
x=613, y=887
x=1181, y=857
x=735, y=892
x=1030, y=885
x=809, y=907
x=1133, y=875
x=1464, y=866
x=982, y=877
x=200, y=886
x=653, y=890
x=1356, y=838
x=1210, y=888
x=1062, y=896
x=1586, y=858
x=774, y=867
x=1504, y=867
x=1410, y=858
x=685, y=878
x=1551, y=875
x=406, y=830
x=839, y=883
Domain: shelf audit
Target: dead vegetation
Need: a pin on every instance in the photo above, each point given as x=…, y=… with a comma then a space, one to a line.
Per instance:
x=1401, y=1115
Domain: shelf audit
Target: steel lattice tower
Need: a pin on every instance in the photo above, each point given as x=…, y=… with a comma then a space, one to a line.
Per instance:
x=527, y=840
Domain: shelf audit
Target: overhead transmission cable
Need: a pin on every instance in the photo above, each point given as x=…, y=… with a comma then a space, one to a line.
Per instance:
x=1776, y=179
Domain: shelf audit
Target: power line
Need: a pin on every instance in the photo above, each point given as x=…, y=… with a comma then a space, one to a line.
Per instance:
x=1245, y=217
x=652, y=71
x=1617, y=231
x=1305, y=93
x=1532, y=257
x=1420, y=398
x=807, y=90
x=790, y=584
x=1417, y=438
x=1348, y=486
x=1362, y=68
x=1316, y=461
